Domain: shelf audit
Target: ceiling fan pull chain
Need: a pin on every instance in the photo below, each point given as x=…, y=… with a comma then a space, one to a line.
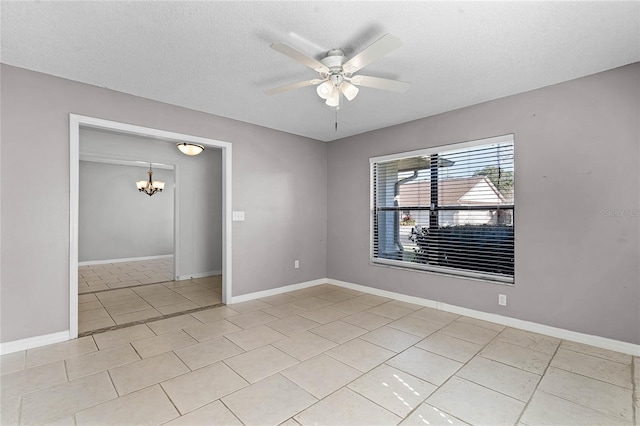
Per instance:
x=336, y=119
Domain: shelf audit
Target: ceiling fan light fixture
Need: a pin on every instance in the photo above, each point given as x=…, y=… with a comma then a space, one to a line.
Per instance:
x=190, y=148
x=349, y=90
x=324, y=90
x=334, y=98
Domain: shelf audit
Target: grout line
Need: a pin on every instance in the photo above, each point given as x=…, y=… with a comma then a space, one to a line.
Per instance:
x=172, y=403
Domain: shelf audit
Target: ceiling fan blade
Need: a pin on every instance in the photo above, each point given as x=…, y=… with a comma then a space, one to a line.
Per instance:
x=380, y=83
x=387, y=43
x=293, y=86
x=299, y=57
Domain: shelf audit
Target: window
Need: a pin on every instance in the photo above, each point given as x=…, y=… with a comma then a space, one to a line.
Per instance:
x=447, y=209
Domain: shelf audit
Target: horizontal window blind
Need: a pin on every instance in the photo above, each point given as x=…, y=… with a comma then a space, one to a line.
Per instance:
x=449, y=209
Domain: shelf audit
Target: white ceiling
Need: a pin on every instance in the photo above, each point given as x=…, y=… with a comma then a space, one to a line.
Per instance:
x=215, y=56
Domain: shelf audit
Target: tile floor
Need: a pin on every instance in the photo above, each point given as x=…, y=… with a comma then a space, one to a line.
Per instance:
x=109, y=308
x=322, y=355
x=123, y=274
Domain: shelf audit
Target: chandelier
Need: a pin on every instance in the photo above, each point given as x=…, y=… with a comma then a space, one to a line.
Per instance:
x=150, y=186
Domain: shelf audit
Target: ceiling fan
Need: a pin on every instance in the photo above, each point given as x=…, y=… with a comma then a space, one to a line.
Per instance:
x=337, y=73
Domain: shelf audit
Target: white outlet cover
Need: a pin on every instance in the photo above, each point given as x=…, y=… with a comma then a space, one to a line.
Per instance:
x=238, y=216
x=502, y=299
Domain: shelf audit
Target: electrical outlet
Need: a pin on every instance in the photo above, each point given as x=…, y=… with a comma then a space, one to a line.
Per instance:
x=296, y=264
x=502, y=299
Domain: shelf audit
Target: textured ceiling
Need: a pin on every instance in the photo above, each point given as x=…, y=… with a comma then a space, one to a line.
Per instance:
x=215, y=56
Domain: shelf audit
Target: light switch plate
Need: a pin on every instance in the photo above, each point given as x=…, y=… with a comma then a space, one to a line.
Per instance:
x=238, y=216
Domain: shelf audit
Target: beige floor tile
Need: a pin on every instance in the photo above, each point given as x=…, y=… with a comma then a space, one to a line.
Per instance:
x=470, y=333
x=125, y=308
x=336, y=296
x=321, y=375
x=148, y=406
x=140, y=374
x=93, y=314
x=164, y=299
x=255, y=337
x=598, y=352
x=545, y=409
x=211, y=414
x=212, y=382
x=178, y=307
x=115, y=294
x=11, y=363
x=284, y=311
x=95, y=324
x=480, y=323
x=87, y=298
x=339, y=331
x=604, y=397
x=391, y=310
x=450, y=347
x=367, y=320
x=425, y=365
x=390, y=338
x=268, y=402
x=345, y=407
x=163, y=343
x=360, y=355
x=393, y=389
x=136, y=316
x=292, y=325
x=511, y=381
x=259, y=363
x=251, y=319
x=324, y=315
x=310, y=303
x=83, y=289
x=517, y=356
x=416, y=326
x=89, y=306
x=189, y=288
x=435, y=315
x=530, y=340
x=476, y=404
x=214, y=314
x=636, y=367
x=113, y=338
x=96, y=362
x=203, y=297
x=208, y=352
x=427, y=414
x=211, y=330
x=594, y=367
x=10, y=411
x=59, y=351
x=350, y=306
x=61, y=401
x=370, y=299
x=304, y=345
x=32, y=379
x=172, y=324
x=249, y=306
x=278, y=299
x=290, y=422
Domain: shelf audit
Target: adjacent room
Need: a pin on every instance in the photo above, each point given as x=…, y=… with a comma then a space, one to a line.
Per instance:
x=302, y=213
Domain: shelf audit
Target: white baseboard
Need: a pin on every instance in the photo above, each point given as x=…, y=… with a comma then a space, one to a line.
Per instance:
x=33, y=342
x=278, y=290
x=199, y=275
x=126, y=259
x=600, y=342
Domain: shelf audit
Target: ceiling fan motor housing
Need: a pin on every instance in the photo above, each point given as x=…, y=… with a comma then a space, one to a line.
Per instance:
x=334, y=60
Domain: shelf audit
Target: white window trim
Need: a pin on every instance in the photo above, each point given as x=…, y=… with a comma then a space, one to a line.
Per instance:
x=434, y=269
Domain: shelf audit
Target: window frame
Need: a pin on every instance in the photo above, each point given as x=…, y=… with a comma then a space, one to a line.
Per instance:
x=437, y=269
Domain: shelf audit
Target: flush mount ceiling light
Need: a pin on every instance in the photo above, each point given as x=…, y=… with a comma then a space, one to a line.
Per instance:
x=150, y=186
x=190, y=148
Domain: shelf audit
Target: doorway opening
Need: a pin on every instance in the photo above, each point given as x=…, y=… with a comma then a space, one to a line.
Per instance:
x=154, y=294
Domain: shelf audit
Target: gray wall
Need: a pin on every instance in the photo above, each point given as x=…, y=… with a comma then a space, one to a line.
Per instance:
x=577, y=158
x=199, y=193
x=116, y=221
x=279, y=180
